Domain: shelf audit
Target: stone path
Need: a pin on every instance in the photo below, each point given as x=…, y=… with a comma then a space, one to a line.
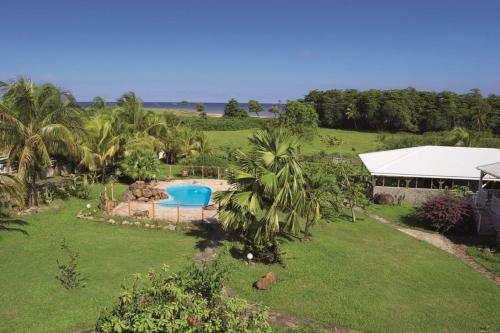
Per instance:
x=439, y=241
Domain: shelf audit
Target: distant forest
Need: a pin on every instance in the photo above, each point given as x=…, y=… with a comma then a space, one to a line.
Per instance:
x=406, y=110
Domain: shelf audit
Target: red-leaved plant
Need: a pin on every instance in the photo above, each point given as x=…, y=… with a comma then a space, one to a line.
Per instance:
x=445, y=211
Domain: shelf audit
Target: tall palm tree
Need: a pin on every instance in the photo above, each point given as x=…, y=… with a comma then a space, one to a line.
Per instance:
x=267, y=183
x=37, y=123
x=142, y=127
x=103, y=144
x=353, y=114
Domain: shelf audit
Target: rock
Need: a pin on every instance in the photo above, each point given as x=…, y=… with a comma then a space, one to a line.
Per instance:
x=147, y=193
x=266, y=281
x=137, y=192
x=137, y=185
x=170, y=227
x=137, y=224
x=128, y=196
x=163, y=195
x=125, y=222
x=141, y=213
x=152, y=226
x=143, y=199
x=111, y=221
x=146, y=225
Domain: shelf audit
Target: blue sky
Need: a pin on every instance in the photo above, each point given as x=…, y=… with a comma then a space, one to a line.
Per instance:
x=212, y=50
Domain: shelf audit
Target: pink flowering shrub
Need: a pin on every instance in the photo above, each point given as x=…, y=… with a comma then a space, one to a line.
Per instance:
x=444, y=211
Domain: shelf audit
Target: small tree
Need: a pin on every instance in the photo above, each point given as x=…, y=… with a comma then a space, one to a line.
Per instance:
x=141, y=164
x=255, y=107
x=353, y=185
x=98, y=103
x=300, y=118
x=200, y=108
x=444, y=211
x=69, y=276
x=274, y=109
x=233, y=109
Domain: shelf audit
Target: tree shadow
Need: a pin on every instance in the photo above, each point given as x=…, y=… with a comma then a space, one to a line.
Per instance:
x=209, y=235
x=13, y=225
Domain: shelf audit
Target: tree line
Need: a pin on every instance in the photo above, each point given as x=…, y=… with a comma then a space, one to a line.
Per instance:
x=405, y=110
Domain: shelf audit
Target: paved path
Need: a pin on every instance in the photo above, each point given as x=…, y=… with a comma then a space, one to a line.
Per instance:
x=439, y=241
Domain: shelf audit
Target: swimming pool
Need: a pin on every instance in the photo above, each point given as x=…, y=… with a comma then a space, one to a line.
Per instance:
x=187, y=195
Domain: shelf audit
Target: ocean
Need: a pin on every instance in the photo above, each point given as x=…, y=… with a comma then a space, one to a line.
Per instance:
x=211, y=108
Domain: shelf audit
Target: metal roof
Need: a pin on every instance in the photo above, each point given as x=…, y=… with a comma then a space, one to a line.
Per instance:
x=491, y=169
x=431, y=162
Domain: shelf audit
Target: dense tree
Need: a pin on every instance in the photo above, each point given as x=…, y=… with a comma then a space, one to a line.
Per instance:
x=405, y=110
x=300, y=118
x=38, y=123
x=255, y=107
x=98, y=103
x=233, y=109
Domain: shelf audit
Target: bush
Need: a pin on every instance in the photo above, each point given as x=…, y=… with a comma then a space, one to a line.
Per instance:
x=141, y=165
x=269, y=253
x=181, y=303
x=383, y=199
x=445, y=212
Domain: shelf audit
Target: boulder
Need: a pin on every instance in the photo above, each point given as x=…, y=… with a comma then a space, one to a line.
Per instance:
x=141, y=213
x=147, y=193
x=163, y=195
x=266, y=281
x=137, y=192
x=128, y=196
x=137, y=185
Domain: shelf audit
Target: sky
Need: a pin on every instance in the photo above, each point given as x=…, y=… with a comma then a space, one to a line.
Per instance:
x=269, y=50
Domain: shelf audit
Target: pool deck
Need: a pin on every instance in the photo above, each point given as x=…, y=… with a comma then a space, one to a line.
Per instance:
x=172, y=214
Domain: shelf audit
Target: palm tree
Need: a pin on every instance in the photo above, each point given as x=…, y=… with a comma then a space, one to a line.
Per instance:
x=37, y=123
x=352, y=114
x=309, y=202
x=460, y=137
x=142, y=128
x=11, y=188
x=268, y=182
x=103, y=143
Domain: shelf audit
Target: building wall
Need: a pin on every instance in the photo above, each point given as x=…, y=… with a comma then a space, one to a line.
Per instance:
x=411, y=195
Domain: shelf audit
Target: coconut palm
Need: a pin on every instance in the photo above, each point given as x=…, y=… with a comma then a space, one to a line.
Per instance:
x=352, y=114
x=38, y=123
x=11, y=189
x=460, y=137
x=267, y=183
x=142, y=127
x=103, y=144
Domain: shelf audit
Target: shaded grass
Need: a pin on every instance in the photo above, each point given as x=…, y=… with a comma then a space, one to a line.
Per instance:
x=403, y=215
x=490, y=260
x=34, y=301
x=370, y=277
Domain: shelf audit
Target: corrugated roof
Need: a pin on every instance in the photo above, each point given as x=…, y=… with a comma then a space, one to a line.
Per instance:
x=430, y=162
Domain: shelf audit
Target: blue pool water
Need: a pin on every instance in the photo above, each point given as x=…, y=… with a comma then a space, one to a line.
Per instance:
x=187, y=195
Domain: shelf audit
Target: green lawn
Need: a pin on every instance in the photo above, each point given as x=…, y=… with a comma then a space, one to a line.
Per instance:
x=373, y=278
x=352, y=144
x=34, y=301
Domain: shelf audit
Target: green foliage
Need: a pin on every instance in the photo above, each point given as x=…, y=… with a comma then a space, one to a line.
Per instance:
x=207, y=280
x=300, y=118
x=180, y=303
x=98, y=103
x=405, y=110
x=255, y=107
x=69, y=274
x=141, y=164
x=233, y=109
x=268, y=185
x=266, y=253
x=200, y=108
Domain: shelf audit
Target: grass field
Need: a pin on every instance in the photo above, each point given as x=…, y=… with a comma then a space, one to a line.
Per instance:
x=490, y=260
x=370, y=277
x=352, y=144
x=34, y=301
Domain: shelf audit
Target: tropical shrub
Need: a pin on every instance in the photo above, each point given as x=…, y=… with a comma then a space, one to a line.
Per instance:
x=182, y=302
x=266, y=253
x=300, y=118
x=141, y=164
x=225, y=123
x=444, y=212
